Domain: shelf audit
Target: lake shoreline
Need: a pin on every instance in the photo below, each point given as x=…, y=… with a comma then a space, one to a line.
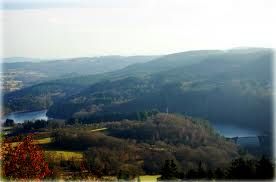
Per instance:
x=225, y=130
x=21, y=116
x=4, y=114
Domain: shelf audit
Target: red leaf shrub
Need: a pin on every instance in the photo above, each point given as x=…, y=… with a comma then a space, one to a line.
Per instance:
x=23, y=161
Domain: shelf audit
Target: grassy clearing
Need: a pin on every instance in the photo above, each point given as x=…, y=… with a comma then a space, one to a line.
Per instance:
x=148, y=178
x=58, y=155
x=5, y=128
x=99, y=129
x=38, y=141
x=44, y=140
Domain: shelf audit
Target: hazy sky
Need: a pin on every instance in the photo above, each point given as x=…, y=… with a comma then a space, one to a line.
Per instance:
x=74, y=28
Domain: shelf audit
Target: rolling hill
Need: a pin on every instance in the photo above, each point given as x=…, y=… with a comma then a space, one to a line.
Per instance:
x=233, y=86
x=34, y=71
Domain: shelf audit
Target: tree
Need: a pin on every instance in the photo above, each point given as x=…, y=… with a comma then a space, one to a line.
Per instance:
x=169, y=171
x=210, y=174
x=241, y=169
x=219, y=174
x=24, y=161
x=102, y=161
x=129, y=171
x=9, y=122
x=200, y=171
x=264, y=169
x=191, y=174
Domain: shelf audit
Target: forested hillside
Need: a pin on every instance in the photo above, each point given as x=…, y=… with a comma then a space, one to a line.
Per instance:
x=232, y=86
x=228, y=88
x=130, y=148
x=154, y=118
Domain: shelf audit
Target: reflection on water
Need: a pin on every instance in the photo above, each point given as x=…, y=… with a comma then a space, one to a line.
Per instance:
x=20, y=117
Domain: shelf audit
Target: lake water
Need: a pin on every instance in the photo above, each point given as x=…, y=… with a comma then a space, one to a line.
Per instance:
x=225, y=130
x=20, y=117
x=247, y=137
x=234, y=131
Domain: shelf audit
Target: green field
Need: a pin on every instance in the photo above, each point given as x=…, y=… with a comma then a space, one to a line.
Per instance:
x=58, y=155
x=148, y=178
x=38, y=141
x=99, y=129
x=6, y=130
x=43, y=141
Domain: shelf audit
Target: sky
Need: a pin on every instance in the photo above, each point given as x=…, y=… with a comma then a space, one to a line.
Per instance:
x=82, y=28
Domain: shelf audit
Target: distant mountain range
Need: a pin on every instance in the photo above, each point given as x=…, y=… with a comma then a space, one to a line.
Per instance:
x=20, y=59
x=33, y=71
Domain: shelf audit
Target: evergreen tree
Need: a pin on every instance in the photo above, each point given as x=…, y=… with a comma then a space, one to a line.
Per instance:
x=9, y=122
x=200, y=171
x=219, y=174
x=264, y=169
x=241, y=169
x=169, y=171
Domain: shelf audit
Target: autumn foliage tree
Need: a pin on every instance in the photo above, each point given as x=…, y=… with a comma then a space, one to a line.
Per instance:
x=24, y=160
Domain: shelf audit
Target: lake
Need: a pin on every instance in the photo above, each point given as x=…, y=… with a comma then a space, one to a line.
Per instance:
x=234, y=131
x=20, y=117
x=223, y=129
x=229, y=131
